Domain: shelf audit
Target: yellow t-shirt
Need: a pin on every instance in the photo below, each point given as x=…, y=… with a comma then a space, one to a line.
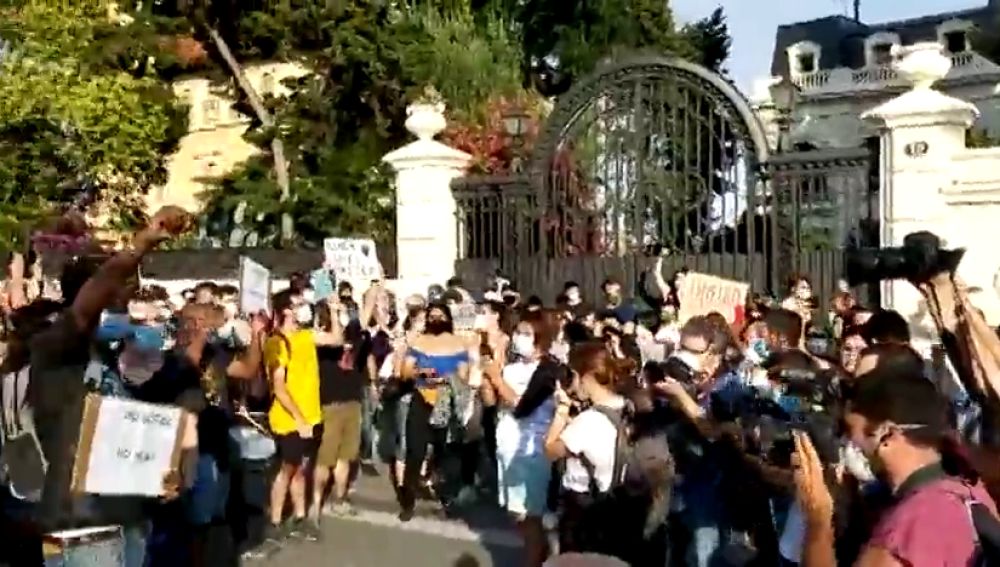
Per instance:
x=301, y=378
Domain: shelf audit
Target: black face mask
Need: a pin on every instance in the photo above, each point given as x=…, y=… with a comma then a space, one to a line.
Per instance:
x=436, y=327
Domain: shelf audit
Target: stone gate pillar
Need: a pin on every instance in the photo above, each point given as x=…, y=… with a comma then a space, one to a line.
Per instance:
x=921, y=132
x=426, y=225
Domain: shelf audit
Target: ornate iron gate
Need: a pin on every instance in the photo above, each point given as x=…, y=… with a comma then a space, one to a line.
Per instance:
x=649, y=153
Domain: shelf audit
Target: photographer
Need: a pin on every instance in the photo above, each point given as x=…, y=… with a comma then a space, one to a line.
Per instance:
x=899, y=422
x=972, y=346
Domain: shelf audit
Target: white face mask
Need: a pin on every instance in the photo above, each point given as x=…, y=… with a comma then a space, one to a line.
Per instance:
x=856, y=463
x=304, y=314
x=309, y=295
x=690, y=359
x=524, y=345
x=479, y=324
x=345, y=319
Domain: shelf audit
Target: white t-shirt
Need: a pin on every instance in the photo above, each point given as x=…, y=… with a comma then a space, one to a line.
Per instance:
x=525, y=436
x=592, y=434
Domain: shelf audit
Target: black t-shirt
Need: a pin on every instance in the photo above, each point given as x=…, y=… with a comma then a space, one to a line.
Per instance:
x=337, y=384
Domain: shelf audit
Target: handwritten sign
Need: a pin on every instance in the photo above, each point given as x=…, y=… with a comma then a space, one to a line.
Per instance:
x=702, y=294
x=255, y=287
x=126, y=447
x=353, y=260
x=464, y=315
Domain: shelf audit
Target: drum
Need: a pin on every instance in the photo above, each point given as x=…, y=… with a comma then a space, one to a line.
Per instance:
x=86, y=547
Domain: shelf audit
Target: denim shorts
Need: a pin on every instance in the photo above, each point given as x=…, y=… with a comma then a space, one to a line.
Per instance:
x=523, y=480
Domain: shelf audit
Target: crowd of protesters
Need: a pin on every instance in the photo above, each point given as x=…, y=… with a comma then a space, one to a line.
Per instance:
x=797, y=434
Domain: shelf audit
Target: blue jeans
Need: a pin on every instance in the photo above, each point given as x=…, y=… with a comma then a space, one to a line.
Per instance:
x=369, y=434
x=702, y=518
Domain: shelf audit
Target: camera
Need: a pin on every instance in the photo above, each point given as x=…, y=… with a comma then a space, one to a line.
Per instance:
x=918, y=259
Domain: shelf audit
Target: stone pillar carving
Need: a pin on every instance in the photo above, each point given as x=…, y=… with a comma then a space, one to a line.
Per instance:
x=426, y=225
x=922, y=130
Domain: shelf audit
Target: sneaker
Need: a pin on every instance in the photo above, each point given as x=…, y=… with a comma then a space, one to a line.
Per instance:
x=344, y=509
x=310, y=530
x=296, y=528
x=275, y=533
x=466, y=496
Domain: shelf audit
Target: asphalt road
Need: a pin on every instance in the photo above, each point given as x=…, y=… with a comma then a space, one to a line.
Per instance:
x=478, y=536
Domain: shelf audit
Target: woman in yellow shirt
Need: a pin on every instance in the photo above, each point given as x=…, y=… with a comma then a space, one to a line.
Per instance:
x=293, y=368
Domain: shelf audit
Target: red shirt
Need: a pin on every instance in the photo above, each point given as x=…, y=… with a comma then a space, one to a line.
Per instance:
x=931, y=527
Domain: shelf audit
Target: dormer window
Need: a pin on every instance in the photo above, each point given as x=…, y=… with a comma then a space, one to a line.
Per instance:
x=956, y=42
x=803, y=58
x=953, y=35
x=882, y=54
x=806, y=63
x=878, y=48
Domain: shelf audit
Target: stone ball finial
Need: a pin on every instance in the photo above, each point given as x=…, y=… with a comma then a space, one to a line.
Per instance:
x=923, y=64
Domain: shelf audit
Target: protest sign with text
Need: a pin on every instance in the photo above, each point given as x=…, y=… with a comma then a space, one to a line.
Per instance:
x=255, y=287
x=126, y=448
x=352, y=260
x=701, y=294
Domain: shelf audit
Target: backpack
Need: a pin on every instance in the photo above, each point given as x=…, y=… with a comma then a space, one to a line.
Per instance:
x=22, y=463
x=643, y=472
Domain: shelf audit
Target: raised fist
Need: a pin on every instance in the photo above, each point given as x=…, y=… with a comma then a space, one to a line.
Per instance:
x=169, y=221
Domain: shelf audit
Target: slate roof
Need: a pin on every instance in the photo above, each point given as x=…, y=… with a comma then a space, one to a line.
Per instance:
x=841, y=39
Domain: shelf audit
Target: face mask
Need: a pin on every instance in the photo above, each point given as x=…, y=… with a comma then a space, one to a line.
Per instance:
x=689, y=358
x=560, y=351
x=436, y=327
x=230, y=310
x=856, y=463
x=309, y=295
x=304, y=314
x=479, y=323
x=760, y=350
x=137, y=366
x=524, y=345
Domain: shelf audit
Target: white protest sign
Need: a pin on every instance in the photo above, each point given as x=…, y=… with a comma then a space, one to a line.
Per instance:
x=702, y=294
x=352, y=260
x=464, y=316
x=126, y=447
x=255, y=287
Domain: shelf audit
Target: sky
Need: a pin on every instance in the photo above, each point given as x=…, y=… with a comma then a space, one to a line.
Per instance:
x=753, y=23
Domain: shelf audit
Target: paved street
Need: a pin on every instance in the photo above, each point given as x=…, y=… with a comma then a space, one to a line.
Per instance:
x=480, y=537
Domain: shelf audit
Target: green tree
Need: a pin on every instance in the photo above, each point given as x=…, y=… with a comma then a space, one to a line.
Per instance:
x=68, y=121
x=339, y=122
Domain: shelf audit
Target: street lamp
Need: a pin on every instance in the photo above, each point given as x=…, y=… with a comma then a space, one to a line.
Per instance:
x=784, y=95
x=515, y=122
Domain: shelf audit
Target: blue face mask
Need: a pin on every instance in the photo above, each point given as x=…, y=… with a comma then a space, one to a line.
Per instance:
x=148, y=338
x=759, y=348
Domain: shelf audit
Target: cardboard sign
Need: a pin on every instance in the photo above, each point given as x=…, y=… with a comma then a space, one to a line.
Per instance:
x=126, y=447
x=702, y=294
x=353, y=260
x=255, y=287
x=464, y=315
